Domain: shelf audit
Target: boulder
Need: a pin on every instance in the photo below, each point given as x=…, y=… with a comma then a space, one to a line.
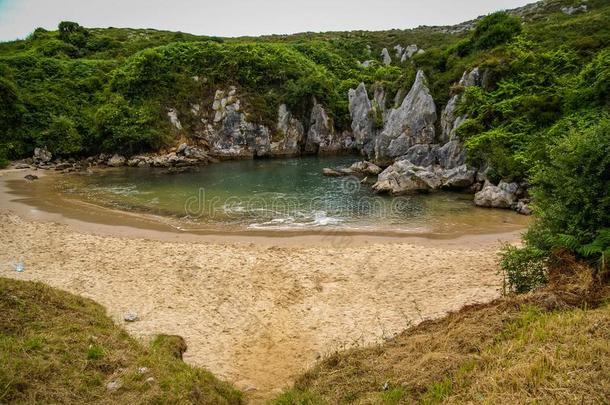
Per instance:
x=410, y=124
x=42, y=155
x=116, y=161
x=459, y=177
x=404, y=177
x=30, y=177
x=500, y=196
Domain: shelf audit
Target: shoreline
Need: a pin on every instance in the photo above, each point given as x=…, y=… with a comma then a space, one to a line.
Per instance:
x=33, y=203
x=254, y=310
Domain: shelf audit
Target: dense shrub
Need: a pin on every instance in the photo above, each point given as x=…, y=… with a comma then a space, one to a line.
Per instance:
x=572, y=194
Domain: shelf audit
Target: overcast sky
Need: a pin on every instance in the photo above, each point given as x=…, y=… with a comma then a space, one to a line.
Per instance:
x=18, y=18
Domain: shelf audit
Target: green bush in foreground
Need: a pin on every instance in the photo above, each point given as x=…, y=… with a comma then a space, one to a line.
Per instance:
x=572, y=194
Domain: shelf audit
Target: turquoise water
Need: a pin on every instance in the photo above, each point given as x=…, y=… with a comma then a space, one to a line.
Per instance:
x=290, y=194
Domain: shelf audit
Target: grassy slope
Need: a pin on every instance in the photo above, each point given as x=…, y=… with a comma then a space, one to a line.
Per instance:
x=546, y=347
x=59, y=348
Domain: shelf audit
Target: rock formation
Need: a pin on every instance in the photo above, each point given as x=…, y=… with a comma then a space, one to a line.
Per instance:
x=410, y=124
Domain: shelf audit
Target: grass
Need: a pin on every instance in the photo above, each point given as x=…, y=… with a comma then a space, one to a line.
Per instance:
x=549, y=347
x=59, y=348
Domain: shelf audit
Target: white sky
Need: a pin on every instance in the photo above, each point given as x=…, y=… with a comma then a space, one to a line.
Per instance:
x=18, y=18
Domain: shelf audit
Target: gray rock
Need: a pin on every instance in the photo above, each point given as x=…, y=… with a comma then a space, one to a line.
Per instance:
x=449, y=121
x=143, y=370
x=117, y=161
x=292, y=133
x=523, y=208
x=20, y=166
x=404, y=177
x=410, y=124
x=63, y=166
x=385, y=56
x=42, y=155
x=421, y=155
x=459, y=177
x=574, y=9
x=363, y=119
x=114, y=386
x=322, y=138
x=30, y=177
x=451, y=155
x=172, y=113
x=130, y=317
x=366, y=168
x=495, y=196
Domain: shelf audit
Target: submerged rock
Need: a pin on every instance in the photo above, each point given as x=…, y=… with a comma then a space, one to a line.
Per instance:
x=30, y=177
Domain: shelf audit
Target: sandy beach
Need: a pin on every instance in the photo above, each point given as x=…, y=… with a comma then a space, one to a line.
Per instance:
x=252, y=313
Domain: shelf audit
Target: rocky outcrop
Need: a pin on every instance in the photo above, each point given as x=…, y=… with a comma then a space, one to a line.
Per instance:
x=421, y=155
x=569, y=10
x=450, y=155
x=410, y=124
x=449, y=119
x=385, y=56
x=290, y=133
x=363, y=119
x=404, y=177
x=321, y=136
x=363, y=168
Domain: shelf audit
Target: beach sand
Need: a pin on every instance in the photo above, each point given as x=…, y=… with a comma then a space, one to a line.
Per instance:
x=255, y=314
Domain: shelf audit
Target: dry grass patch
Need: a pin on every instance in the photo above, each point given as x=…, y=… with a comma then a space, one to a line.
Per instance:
x=545, y=347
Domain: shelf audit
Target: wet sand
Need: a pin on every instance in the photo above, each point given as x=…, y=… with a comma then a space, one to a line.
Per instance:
x=254, y=309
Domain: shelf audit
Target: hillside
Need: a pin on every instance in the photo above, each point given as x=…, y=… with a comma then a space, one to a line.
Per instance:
x=83, y=91
x=59, y=348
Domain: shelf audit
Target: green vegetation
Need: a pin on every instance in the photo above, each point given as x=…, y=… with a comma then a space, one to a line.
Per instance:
x=541, y=115
x=59, y=348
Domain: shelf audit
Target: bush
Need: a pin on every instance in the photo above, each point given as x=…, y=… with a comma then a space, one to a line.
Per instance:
x=61, y=138
x=495, y=29
x=524, y=268
x=126, y=129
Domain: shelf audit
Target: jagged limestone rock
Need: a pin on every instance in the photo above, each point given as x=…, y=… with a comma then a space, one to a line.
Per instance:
x=385, y=56
x=322, y=138
x=421, y=155
x=363, y=119
x=450, y=155
x=410, y=124
x=292, y=133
